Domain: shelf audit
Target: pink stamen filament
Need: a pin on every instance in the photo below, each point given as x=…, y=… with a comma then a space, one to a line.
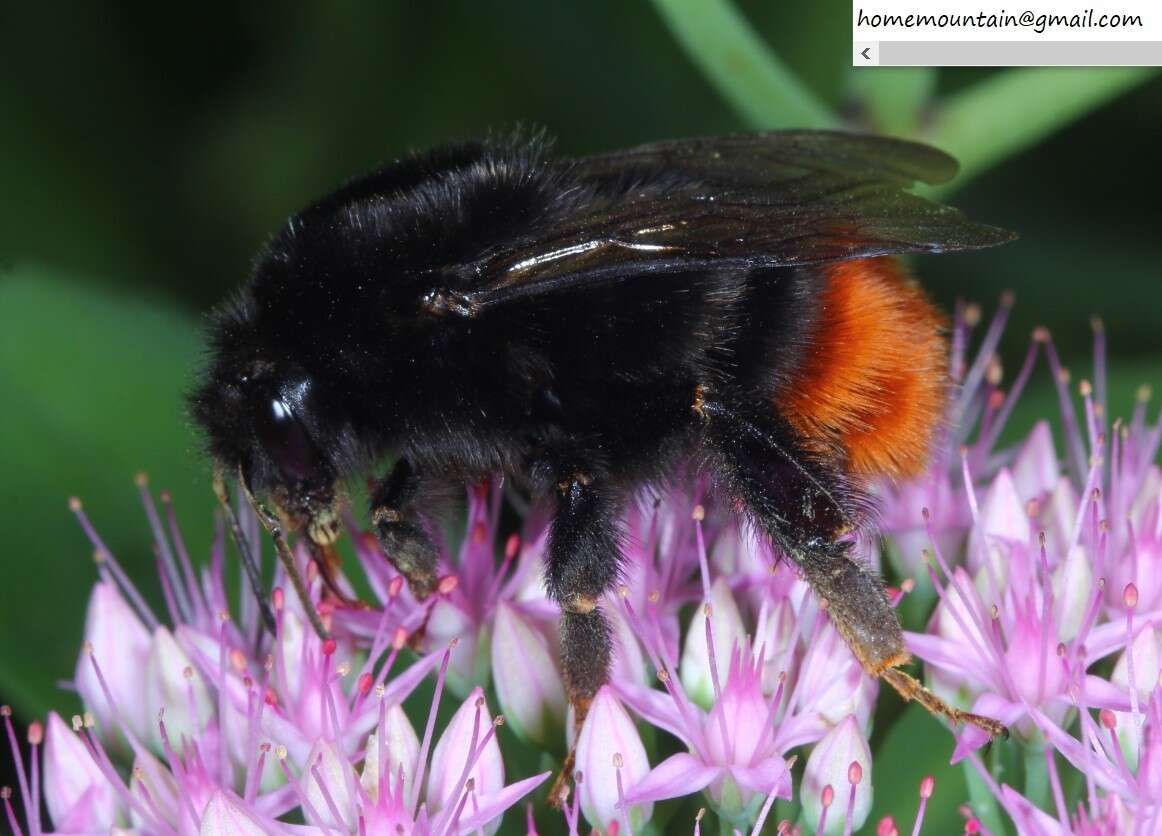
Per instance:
x=12, y=822
x=765, y=811
x=110, y=561
x=927, y=788
x=422, y=760
x=255, y=775
x=1073, y=438
x=32, y=815
x=1019, y=382
x=716, y=682
x=336, y=816
x=1055, y=785
x=167, y=591
x=200, y=605
x=312, y=815
x=703, y=562
x=693, y=726
x=973, y=605
x=825, y=800
x=854, y=776
x=26, y=796
x=105, y=765
x=984, y=356
x=987, y=651
x=1130, y=598
x=223, y=754
x=617, y=764
x=177, y=768
x=1046, y=621
x=147, y=797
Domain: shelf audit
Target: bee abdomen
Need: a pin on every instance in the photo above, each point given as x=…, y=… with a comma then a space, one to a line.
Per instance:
x=871, y=383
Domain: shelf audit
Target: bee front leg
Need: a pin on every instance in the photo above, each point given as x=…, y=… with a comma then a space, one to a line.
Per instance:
x=583, y=560
x=407, y=545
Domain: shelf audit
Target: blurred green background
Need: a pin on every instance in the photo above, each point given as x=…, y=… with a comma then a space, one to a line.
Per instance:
x=147, y=152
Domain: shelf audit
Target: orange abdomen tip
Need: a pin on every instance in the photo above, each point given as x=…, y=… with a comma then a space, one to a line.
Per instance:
x=872, y=384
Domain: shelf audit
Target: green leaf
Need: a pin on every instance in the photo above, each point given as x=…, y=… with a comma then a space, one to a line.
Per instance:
x=1015, y=109
x=747, y=73
x=894, y=98
x=92, y=385
x=916, y=745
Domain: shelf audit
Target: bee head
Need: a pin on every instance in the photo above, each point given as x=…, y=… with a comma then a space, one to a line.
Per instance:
x=259, y=417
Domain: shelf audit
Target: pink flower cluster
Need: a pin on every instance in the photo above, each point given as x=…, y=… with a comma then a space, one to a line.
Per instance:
x=1041, y=584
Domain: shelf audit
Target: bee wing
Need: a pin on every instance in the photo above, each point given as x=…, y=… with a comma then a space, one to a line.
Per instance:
x=734, y=202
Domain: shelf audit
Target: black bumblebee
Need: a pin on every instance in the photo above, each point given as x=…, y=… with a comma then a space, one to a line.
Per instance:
x=584, y=326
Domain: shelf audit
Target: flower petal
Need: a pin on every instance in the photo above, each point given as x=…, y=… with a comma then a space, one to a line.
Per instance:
x=987, y=705
x=454, y=749
x=727, y=629
x=492, y=807
x=78, y=796
x=677, y=775
x=831, y=764
x=118, y=642
x=607, y=733
x=766, y=776
x=528, y=684
x=227, y=816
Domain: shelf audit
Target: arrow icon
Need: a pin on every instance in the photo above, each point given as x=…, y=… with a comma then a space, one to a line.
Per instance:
x=864, y=52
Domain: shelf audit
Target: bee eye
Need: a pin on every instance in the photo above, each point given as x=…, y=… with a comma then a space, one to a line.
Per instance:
x=286, y=441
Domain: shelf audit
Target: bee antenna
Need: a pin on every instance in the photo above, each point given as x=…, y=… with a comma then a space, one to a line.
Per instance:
x=273, y=526
x=253, y=573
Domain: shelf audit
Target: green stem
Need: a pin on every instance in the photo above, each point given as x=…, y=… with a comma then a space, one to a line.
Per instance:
x=1015, y=109
x=746, y=72
x=894, y=99
x=1036, y=776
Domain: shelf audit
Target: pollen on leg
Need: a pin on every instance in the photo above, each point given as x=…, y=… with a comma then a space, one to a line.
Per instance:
x=872, y=385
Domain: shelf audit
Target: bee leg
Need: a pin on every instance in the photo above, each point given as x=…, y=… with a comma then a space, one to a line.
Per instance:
x=583, y=559
x=805, y=506
x=405, y=543
x=860, y=610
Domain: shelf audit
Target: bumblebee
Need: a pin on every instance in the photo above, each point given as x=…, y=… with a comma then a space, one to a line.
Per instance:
x=587, y=326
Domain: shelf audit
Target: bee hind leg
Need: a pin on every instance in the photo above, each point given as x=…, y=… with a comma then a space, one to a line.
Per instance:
x=804, y=506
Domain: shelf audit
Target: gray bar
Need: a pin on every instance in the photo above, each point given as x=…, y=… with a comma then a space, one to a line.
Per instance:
x=1020, y=54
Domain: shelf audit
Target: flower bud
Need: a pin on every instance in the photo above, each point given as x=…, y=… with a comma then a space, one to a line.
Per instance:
x=174, y=689
x=78, y=796
x=608, y=737
x=401, y=751
x=1004, y=525
x=728, y=630
x=528, y=683
x=329, y=779
x=1036, y=468
x=842, y=760
x=1072, y=587
x=1147, y=652
x=453, y=751
x=225, y=816
x=117, y=641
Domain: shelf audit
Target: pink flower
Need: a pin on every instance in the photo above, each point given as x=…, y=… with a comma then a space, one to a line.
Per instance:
x=472, y=587
x=524, y=670
x=115, y=633
x=232, y=729
x=611, y=758
x=737, y=745
x=839, y=766
x=77, y=794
